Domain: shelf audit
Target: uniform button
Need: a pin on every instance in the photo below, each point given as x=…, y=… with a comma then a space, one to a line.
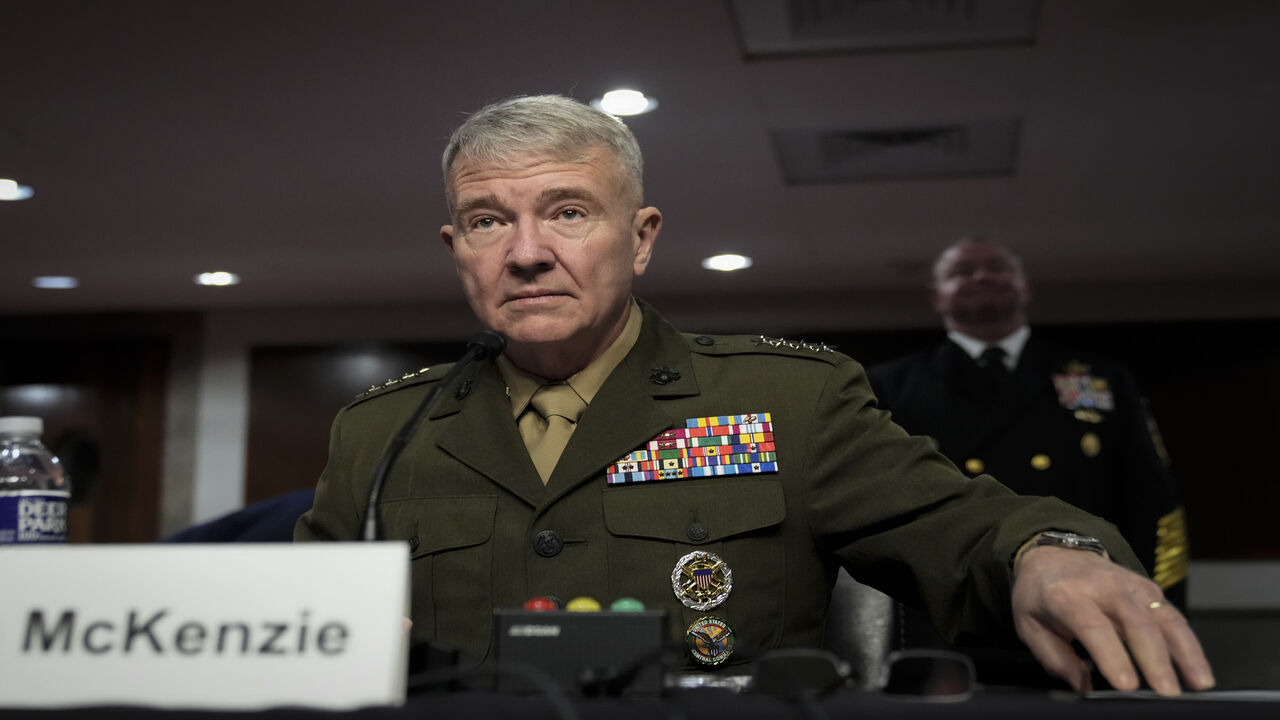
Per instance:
x=547, y=543
x=705, y=340
x=413, y=543
x=663, y=375
x=697, y=532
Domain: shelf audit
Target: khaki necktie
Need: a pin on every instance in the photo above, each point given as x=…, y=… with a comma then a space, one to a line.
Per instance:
x=547, y=431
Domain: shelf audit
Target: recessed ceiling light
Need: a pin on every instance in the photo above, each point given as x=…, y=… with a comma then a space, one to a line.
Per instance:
x=55, y=282
x=624, y=102
x=727, y=262
x=11, y=190
x=220, y=278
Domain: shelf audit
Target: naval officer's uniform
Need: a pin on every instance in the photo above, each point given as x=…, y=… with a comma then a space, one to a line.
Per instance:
x=1057, y=423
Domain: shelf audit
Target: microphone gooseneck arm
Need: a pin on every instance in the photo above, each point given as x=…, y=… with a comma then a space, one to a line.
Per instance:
x=483, y=344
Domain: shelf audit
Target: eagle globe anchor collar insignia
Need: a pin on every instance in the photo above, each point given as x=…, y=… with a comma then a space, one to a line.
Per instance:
x=701, y=580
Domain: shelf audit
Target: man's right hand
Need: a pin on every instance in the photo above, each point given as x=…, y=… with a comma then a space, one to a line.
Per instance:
x=1062, y=595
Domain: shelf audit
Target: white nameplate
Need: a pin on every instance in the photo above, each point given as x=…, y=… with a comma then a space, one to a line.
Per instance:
x=228, y=626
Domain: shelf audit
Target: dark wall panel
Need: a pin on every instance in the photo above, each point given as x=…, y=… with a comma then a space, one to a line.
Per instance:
x=294, y=393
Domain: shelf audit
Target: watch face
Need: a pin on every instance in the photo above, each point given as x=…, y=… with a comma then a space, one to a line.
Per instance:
x=1072, y=540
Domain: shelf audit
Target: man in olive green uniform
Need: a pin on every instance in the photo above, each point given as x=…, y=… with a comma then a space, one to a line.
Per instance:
x=722, y=479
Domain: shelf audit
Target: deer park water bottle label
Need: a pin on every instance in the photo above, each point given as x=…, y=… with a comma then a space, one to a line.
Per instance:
x=33, y=516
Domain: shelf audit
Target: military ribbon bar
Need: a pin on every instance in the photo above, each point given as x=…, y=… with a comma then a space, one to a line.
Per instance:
x=1080, y=390
x=706, y=446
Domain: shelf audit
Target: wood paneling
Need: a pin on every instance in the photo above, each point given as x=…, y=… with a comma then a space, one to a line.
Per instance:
x=294, y=393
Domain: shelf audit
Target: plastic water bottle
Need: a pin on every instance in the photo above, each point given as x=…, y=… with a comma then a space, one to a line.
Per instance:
x=34, y=490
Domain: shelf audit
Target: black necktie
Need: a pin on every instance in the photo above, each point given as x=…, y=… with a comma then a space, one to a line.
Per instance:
x=995, y=374
x=992, y=360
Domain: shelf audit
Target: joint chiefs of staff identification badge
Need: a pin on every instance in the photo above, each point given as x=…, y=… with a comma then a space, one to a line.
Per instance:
x=701, y=580
x=710, y=640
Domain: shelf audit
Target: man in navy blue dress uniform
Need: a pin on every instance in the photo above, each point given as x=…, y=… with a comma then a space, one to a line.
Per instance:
x=1043, y=420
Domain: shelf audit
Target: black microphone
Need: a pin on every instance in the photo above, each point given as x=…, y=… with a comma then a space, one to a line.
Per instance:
x=483, y=344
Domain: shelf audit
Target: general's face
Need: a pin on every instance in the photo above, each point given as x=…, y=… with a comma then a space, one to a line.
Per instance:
x=548, y=250
x=979, y=282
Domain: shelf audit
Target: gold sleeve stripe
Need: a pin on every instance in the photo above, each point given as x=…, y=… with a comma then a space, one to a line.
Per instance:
x=1171, y=549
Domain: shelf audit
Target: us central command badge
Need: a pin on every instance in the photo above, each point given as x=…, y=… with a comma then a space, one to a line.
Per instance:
x=710, y=640
x=701, y=580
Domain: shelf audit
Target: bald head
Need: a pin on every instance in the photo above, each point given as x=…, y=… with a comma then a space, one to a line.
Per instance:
x=979, y=289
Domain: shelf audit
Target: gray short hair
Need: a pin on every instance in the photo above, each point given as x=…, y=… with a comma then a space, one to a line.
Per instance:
x=553, y=126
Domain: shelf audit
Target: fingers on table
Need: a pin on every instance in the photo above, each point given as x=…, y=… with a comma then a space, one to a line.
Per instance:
x=1057, y=656
x=1152, y=638
x=1185, y=648
x=1101, y=637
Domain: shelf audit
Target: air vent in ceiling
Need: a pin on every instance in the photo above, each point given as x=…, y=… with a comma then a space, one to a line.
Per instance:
x=986, y=147
x=797, y=27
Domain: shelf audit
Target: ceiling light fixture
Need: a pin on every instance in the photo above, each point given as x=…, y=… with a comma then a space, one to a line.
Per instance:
x=55, y=282
x=727, y=262
x=624, y=102
x=219, y=278
x=11, y=190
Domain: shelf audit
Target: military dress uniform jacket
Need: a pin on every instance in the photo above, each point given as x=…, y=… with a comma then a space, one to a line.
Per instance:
x=849, y=488
x=1061, y=424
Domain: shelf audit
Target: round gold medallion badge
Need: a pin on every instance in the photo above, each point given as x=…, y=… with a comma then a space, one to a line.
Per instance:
x=710, y=640
x=701, y=580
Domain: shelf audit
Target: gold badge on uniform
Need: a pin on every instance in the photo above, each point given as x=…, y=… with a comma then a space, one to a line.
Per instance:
x=701, y=580
x=710, y=640
x=1040, y=462
x=974, y=466
x=1089, y=416
x=1090, y=445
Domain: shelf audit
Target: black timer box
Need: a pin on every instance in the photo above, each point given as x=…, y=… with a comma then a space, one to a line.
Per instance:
x=604, y=652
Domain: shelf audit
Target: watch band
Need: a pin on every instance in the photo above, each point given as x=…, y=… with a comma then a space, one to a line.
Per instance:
x=1060, y=538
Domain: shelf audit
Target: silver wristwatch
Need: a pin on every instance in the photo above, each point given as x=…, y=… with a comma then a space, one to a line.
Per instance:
x=1069, y=540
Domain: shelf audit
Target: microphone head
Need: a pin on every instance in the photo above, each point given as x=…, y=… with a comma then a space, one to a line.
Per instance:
x=486, y=343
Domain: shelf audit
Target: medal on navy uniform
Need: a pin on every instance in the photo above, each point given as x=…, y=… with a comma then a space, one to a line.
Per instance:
x=1078, y=389
x=710, y=640
x=1090, y=416
x=701, y=580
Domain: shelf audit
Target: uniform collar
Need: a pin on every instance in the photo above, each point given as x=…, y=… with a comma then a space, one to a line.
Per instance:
x=586, y=383
x=1011, y=344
